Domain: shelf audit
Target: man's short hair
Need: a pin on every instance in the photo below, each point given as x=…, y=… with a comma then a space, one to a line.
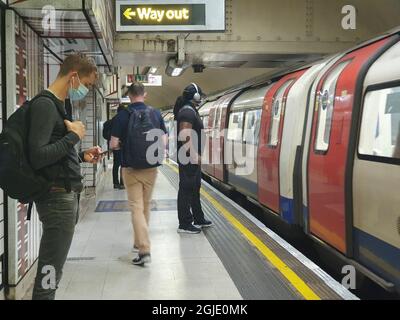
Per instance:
x=79, y=63
x=136, y=90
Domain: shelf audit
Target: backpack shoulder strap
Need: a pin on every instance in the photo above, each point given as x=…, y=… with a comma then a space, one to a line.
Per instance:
x=130, y=111
x=153, y=115
x=47, y=95
x=187, y=107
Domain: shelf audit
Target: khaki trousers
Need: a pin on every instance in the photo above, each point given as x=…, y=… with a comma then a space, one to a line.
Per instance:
x=139, y=184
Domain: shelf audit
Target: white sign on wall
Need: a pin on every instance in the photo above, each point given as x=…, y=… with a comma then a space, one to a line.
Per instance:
x=149, y=80
x=154, y=81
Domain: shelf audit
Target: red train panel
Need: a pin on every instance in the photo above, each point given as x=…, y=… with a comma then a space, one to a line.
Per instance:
x=329, y=146
x=270, y=141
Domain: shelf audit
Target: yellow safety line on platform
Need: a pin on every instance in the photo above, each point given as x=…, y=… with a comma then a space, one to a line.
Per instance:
x=288, y=273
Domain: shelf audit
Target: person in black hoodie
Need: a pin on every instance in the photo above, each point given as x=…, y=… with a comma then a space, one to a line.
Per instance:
x=190, y=147
x=117, y=155
x=52, y=153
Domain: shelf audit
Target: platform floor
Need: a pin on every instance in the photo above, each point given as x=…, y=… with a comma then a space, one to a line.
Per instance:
x=183, y=266
x=239, y=258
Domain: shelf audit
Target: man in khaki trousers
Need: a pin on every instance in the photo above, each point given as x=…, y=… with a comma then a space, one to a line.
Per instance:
x=139, y=185
x=139, y=182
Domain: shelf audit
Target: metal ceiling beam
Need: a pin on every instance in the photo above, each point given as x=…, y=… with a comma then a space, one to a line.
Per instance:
x=89, y=21
x=38, y=34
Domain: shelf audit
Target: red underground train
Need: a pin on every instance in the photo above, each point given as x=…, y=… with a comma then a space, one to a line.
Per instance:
x=324, y=143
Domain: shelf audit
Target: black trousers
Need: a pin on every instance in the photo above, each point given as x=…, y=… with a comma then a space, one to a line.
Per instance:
x=117, y=176
x=189, y=205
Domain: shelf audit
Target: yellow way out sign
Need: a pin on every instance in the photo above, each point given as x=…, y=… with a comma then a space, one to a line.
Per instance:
x=147, y=14
x=170, y=16
x=158, y=15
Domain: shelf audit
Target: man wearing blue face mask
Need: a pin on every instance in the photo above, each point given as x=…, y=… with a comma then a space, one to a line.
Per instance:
x=52, y=141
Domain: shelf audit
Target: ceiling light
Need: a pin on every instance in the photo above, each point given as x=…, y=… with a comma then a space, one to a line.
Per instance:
x=176, y=72
x=153, y=70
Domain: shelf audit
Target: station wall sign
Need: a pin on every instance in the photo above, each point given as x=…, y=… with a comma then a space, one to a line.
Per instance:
x=149, y=80
x=170, y=15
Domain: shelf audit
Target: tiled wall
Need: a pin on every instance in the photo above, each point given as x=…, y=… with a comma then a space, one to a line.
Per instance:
x=92, y=112
x=26, y=72
x=1, y=191
x=101, y=117
x=28, y=62
x=87, y=116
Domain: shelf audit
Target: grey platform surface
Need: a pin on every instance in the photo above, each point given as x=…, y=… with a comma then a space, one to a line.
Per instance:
x=254, y=277
x=219, y=264
x=183, y=267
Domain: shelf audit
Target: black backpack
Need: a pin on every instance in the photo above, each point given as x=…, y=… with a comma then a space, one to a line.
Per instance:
x=17, y=177
x=107, y=127
x=136, y=145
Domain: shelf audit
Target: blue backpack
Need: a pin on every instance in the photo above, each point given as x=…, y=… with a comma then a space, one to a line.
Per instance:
x=136, y=145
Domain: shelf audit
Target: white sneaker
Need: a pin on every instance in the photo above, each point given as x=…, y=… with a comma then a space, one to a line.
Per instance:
x=141, y=260
x=135, y=250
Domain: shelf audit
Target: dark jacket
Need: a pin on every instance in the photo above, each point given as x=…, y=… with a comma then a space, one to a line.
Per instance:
x=51, y=147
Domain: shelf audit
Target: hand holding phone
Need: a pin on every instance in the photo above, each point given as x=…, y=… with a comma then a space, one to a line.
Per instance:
x=93, y=155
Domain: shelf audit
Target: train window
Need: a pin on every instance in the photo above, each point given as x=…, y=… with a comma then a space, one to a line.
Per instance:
x=217, y=118
x=235, y=130
x=205, y=122
x=325, y=104
x=278, y=105
x=380, y=126
x=252, y=127
x=217, y=123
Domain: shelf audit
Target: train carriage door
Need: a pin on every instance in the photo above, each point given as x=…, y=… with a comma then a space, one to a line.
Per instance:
x=207, y=166
x=376, y=177
x=251, y=132
x=216, y=139
x=328, y=153
x=234, y=145
x=219, y=167
x=270, y=143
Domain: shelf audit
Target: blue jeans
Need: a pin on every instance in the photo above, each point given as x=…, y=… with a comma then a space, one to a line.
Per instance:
x=58, y=212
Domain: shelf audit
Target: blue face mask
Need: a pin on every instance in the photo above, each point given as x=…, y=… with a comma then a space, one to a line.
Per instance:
x=78, y=94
